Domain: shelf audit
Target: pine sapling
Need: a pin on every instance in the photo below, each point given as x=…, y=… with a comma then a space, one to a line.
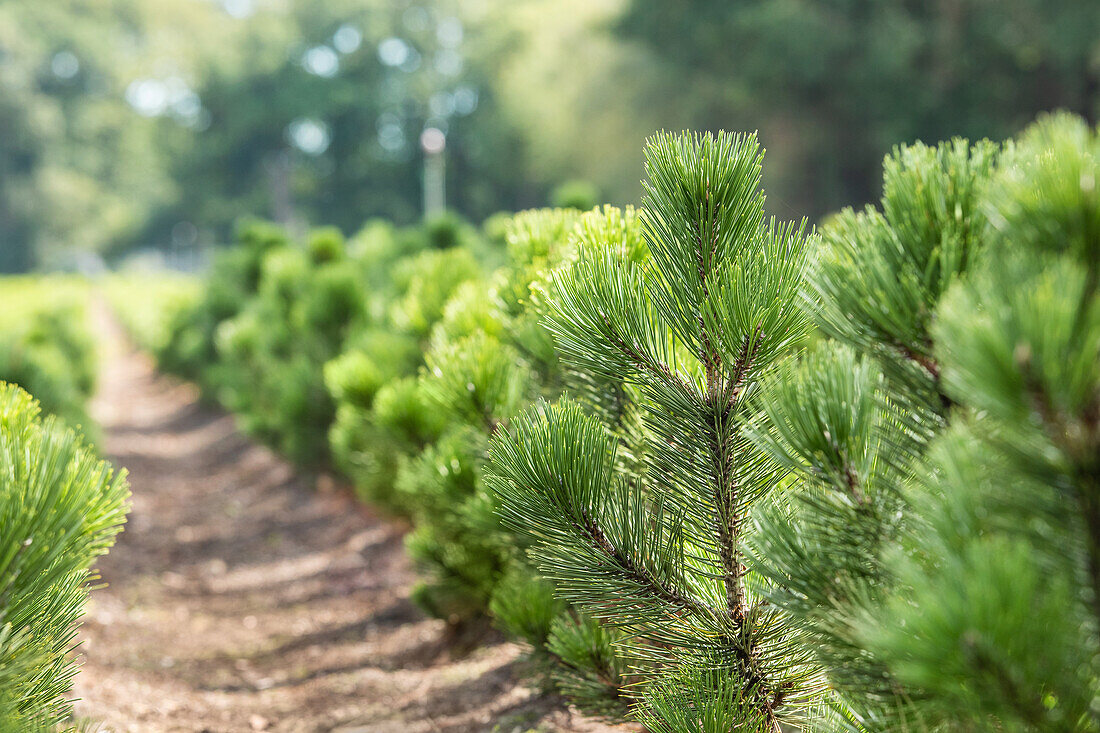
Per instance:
x=660, y=555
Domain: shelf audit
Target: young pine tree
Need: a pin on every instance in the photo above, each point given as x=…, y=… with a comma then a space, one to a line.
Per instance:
x=654, y=547
x=942, y=553
x=853, y=419
x=994, y=621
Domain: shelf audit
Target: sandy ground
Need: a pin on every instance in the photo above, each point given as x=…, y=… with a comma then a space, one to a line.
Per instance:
x=239, y=598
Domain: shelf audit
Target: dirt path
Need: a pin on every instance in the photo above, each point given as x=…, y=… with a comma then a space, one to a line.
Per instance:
x=241, y=599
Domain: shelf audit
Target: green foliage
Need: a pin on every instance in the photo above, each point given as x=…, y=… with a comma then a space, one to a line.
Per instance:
x=445, y=230
x=701, y=701
x=574, y=654
x=368, y=110
x=434, y=300
x=489, y=357
x=905, y=572
x=587, y=666
x=495, y=228
x=696, y=332
x=233, y=282
x=1046, y=196
x=272, y=315
x=875, y=73
x=475, y=380
x=1008, y=536
x=418, y=446
x=879, y=276
x=430, y=278
x=353, y=377
x=575, y=194
x=820, y=544
x=618, y=445
x=852, y=421
x=457, y=542
x=946, y=576
x=369, y=443
x=149, y=305
x=272, y=352
x=525, y=606
x=383, y=416
x=60, y=508
x=46, y=346
x=135, y=123
x=79, y=169
x=325, y=245
x=474, y=384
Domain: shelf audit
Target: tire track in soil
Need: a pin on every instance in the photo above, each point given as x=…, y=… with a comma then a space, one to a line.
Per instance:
x=239, y=598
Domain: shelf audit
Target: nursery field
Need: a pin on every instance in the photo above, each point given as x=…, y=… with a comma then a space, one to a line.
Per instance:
x=675, y=468
x=243, y=596
x=549, y=366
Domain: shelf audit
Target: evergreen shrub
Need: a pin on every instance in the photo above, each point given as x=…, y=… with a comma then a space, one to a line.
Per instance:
x=46, y=345
x=889, y=531
x=720, y=472
x=60, y=508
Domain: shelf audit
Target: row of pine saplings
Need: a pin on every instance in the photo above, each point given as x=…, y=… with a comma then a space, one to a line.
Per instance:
x=723, y=473
x=60, y=505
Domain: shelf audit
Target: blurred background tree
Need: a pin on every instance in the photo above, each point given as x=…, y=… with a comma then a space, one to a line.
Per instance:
x=128, y=124
x=835, y=84
x=318, y=118
x=81, y=166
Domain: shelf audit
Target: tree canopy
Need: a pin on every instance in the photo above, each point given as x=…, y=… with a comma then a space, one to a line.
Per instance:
x=132, y=123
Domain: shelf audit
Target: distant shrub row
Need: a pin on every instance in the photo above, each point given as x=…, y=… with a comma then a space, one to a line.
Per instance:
x=394, y=357
x=60, y=506
x=45, y=343
x=844, y=480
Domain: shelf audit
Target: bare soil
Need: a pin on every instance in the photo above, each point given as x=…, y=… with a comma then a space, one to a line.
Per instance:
x=243, y=598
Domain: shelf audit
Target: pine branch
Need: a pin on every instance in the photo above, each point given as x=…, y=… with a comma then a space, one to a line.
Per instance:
x=720, y=442
x=661, y=591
